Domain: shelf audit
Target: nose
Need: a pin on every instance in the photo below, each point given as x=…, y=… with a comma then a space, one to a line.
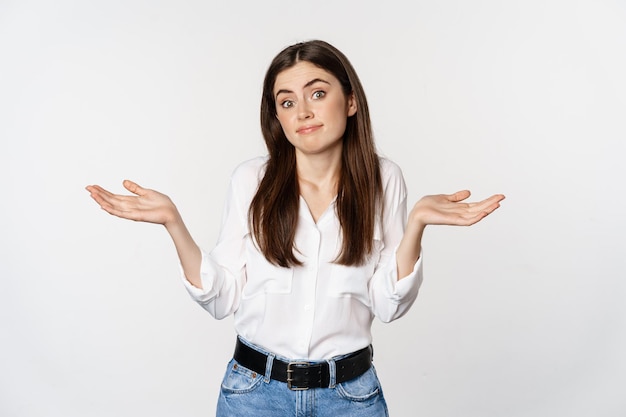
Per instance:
x=304, y=111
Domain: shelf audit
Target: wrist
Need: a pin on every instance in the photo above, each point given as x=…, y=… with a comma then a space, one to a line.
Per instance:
x=415, y=222
x=174, y=221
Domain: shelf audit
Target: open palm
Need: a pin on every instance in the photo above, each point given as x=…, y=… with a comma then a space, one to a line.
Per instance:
x=145, y=205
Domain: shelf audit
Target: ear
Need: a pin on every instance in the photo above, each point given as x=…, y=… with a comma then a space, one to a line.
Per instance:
x=352, y=108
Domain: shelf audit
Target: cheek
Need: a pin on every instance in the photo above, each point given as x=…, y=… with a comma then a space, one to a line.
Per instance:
x=285, y=116
x=340, y=116
x=282, y=120
x=285, y=126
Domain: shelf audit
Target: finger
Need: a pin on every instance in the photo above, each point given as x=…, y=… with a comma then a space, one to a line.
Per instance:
x=482, y=214
x=100, y=194
x=133, y=187
x=495, y=198
x=113, y=203
x=96, y=192
x=459, y=196
x=488, y=202
x=105, y=201
x=116, y=205
x=96, y=189
x=470, y=213
x=122, y=212
x=120, y=206
x=490, y=209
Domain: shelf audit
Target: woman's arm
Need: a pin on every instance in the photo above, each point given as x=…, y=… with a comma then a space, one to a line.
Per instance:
x=153, y=207
x=439, y=209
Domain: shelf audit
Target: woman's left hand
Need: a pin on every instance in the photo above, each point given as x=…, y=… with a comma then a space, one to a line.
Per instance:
x=446, y=209
x=449, y=209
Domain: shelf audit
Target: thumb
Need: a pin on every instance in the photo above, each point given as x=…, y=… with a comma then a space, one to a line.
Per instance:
x=133, y=187
x=459, y=196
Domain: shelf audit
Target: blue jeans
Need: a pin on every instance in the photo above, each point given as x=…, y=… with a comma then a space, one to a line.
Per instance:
x=247, y=393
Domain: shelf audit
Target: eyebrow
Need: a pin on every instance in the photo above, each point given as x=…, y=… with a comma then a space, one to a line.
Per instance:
x=308, y=84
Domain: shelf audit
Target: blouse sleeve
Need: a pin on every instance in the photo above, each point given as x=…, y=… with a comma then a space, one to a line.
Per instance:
x=391, y=298
x=222, y=270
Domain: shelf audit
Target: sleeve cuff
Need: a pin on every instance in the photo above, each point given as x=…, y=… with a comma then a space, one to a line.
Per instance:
x=209, y=273
x=408, y=286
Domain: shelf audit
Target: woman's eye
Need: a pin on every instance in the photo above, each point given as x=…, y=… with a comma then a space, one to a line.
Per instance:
x=318, y=94
x=286, y=104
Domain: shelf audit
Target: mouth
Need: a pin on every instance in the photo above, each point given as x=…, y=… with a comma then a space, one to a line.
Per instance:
x=308, y=129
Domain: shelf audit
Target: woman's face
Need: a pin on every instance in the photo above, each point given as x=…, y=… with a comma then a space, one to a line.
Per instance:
x=312, y=108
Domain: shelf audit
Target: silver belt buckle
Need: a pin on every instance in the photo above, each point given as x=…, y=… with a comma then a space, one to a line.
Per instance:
x=290, y=379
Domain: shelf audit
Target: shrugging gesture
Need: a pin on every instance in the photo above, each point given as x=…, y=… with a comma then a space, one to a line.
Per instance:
x=316, y=126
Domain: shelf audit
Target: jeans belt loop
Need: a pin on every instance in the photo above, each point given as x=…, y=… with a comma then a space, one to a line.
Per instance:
x=268, y=367
x=332, y=370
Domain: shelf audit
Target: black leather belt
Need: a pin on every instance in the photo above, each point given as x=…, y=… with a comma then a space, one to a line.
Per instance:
x=302, y=375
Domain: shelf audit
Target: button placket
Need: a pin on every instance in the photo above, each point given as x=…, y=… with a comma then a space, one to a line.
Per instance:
x=310, y=284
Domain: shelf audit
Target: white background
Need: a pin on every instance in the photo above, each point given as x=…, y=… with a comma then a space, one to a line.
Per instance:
x=521, y=315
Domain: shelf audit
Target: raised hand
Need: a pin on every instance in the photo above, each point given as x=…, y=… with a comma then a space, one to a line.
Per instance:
x=153, y=207
x=449, y=209
x=445, y=209
x=145, y=205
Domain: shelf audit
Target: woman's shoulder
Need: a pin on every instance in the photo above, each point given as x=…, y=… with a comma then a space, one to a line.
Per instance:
x=389, y=170
x=249, y=170
x=394, y=187
x=245, y=178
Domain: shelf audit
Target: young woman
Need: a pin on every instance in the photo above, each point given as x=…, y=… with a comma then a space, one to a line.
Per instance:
x=315, y=243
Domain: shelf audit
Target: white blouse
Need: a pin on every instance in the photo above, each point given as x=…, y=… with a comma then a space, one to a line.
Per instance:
x=318, y=310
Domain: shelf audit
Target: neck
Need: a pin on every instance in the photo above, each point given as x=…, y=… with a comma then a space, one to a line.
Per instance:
x=319, y=171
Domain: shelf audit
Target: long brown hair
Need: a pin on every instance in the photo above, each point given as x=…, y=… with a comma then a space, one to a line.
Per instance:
x=273, y=213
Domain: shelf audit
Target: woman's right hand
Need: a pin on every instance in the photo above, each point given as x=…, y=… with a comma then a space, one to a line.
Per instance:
x=145, y=206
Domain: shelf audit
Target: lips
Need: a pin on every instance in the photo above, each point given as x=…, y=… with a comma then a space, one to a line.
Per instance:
x=308, y=129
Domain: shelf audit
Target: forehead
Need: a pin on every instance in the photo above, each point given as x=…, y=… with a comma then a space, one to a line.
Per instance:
x=295, y=77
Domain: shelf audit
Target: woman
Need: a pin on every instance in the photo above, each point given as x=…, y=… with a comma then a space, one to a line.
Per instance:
x=315, y=242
